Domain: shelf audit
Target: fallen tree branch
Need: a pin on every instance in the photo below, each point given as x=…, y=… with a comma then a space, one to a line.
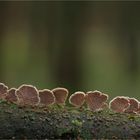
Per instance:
x=65, y=123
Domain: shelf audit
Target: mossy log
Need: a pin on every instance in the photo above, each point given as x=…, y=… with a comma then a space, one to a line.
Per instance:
x=65, y=123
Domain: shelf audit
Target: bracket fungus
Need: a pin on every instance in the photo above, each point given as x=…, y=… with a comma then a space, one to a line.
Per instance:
x=77, y=99
x=134, y=105
x=119, y=104
x=96, y=100
x=3, y=91
x=11, y=95
x=61, y=95
x=27, y=95
x=46, y=97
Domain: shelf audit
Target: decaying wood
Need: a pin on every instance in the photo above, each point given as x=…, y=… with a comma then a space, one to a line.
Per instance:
x=65, y=123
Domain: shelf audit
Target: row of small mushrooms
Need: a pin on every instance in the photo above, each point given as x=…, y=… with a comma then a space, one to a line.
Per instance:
x=28, y=95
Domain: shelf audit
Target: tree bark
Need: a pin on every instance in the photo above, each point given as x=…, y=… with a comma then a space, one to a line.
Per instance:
x=65, y=123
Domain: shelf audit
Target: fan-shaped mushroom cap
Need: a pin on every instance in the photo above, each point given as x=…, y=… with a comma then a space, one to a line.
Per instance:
x=27, y=95
x=133, y=107
x=46, y=97
x=11, y=95
x=119, y=104
x=95, y=100
x=77, y=99
x=3, y=90
x=61, y=95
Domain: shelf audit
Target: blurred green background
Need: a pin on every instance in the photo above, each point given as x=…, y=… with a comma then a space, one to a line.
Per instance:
x=77, y=45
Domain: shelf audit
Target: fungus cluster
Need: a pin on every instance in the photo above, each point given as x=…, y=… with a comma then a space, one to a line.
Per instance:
x=28, y=95
x=125, y=104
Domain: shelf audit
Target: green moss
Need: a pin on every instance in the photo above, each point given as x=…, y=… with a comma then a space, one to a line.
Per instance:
x=131, y=118
x=77, y=123
x=13, y=106
x=3, y=101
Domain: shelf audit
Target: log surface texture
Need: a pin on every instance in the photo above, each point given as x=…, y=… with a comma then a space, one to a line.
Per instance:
x=65, y=123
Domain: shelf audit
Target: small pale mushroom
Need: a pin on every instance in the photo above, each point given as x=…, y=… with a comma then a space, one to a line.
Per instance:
x=11, y=96
x=3, y=91
x=133, y=107
x=77, y=99
x=47, y=97
x=119, y=104
x=95, y=100
x=27, y=95
x=61, y=95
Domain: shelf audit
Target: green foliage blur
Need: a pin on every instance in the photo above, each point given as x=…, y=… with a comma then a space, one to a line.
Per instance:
x=78, y=45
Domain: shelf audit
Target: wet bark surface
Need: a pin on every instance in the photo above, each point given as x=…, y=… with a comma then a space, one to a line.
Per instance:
x=65, y=123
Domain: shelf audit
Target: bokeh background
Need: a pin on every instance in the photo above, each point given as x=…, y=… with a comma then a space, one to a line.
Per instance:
x=77, y=45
